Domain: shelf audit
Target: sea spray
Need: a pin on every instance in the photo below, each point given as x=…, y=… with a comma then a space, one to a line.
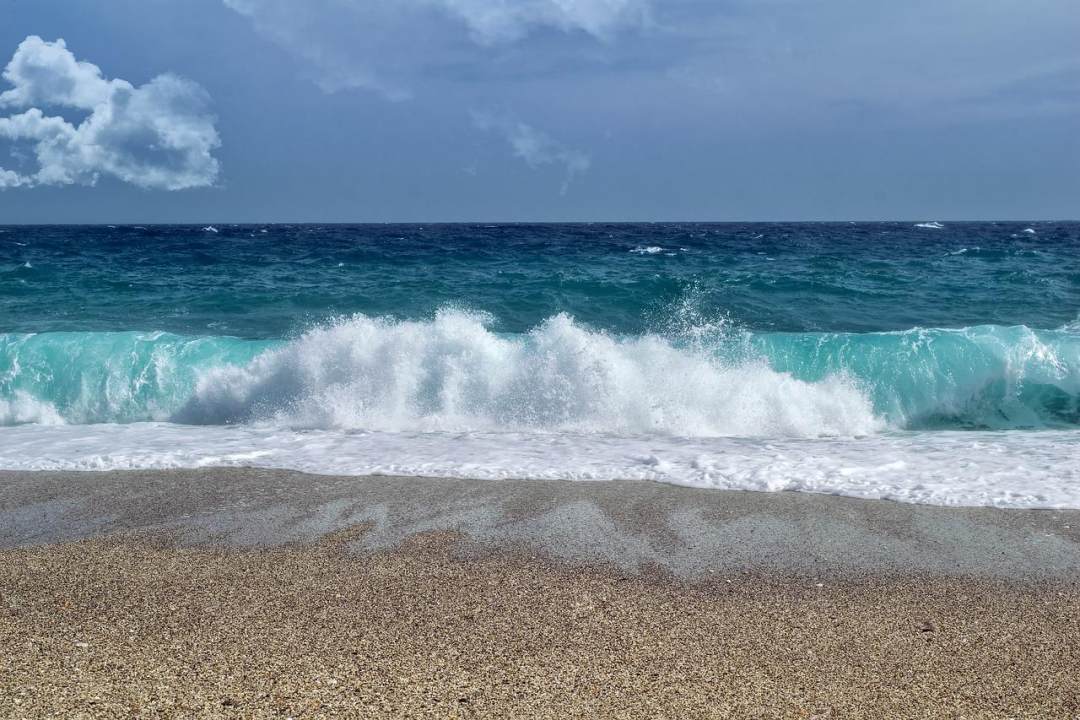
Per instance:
x=454, y=373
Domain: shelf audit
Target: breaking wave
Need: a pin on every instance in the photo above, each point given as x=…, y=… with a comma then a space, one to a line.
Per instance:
x=453, y=373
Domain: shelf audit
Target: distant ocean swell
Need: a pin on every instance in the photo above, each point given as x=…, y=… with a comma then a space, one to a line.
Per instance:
x=453, y=373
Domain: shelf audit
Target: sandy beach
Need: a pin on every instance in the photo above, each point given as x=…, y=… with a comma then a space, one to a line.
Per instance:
x=242, y=593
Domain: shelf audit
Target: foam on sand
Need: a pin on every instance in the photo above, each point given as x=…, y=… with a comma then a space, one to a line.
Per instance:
x=1010, y=469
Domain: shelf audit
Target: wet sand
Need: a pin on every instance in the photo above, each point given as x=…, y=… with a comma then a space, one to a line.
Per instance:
x=240, y=593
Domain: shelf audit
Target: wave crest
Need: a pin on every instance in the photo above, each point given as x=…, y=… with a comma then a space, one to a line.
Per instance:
x=454, y=374
x=22, y=408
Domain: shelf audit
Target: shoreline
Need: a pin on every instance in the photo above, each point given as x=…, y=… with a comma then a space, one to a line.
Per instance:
x=687, y=532
x=951, y=468
x=245, y=593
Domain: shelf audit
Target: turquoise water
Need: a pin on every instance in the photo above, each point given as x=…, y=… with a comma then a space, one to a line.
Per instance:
x=987, y=377
x=922, y=362
x=964, y=326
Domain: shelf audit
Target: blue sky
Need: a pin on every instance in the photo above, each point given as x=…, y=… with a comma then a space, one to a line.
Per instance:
x=458, y=110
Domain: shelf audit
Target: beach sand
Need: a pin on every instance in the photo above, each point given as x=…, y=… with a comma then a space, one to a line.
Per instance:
x=241, y=593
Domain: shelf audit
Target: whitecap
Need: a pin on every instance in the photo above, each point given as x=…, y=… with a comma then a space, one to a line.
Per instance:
x=210, y=229
x=647, y=250
x=930, y=225
x=454, y=374
x=23, y=408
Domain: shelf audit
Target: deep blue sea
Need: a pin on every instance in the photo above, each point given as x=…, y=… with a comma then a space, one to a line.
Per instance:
x=931, y=362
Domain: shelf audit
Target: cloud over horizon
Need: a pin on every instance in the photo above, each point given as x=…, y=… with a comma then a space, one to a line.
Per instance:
x=688, y=72
x=160, y=135
x=364, y=110
x=535, y=147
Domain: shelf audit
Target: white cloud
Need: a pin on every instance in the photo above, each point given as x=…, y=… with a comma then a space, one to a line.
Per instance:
x=160, y=135
x=404, y=48
x=9, y=179
x=495, y=22
x=536, y=148
x=390, y=45
x=921, y=60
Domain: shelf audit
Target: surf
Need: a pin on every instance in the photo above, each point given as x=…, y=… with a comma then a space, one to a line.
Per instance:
x=454, y=373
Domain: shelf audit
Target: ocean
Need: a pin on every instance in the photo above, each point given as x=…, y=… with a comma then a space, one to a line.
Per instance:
x=917, y=361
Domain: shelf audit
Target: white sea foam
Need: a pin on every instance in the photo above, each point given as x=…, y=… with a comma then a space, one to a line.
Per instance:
x=455, y=374
x=1005, y=469
x=210, y=229
x=650, y=250
x=692, y=377
x=930, y=225
x=23, y=408
x=1030, y=231
x=450, y=397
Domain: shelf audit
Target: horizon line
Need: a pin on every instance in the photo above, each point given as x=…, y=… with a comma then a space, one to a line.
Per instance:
x=207, y=223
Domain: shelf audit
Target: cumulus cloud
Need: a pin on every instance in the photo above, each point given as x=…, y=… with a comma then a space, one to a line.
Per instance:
x=159, y=135
x=10, y=178
x=536, y=148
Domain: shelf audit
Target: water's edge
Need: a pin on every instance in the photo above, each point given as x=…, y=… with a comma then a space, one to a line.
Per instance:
x=694, y=534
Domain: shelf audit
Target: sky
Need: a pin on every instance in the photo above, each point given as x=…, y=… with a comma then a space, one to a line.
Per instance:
x=206, y=111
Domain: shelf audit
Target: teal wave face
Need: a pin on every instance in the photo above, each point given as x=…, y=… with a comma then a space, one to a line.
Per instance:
x=985, y=377
x=108, y=377
x=455, y=373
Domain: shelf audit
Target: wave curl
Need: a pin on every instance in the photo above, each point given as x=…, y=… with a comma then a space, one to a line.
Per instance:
x=453, y=373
